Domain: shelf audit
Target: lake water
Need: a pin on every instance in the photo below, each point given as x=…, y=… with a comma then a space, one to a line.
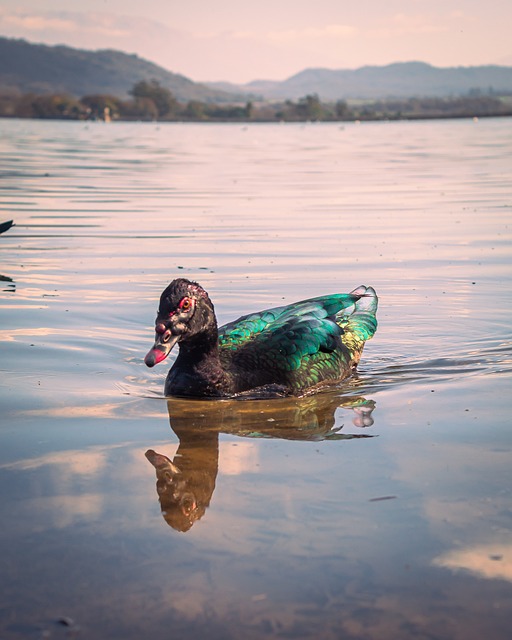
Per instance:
x=380, y=509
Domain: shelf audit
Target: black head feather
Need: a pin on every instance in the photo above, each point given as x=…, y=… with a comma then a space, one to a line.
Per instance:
x=186, y=309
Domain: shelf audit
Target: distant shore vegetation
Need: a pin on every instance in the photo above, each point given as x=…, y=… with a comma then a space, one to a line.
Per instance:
x=150, y=101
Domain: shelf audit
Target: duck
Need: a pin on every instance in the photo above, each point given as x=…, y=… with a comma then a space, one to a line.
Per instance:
x=290, y=350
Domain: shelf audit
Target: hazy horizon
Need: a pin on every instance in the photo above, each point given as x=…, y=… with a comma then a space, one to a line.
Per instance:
x=273, y=40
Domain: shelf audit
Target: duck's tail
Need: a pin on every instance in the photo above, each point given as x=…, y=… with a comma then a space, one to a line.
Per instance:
x=359, y=323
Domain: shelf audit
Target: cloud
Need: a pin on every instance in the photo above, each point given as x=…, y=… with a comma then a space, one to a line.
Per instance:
x=36, y=23
x=238, y=457
x=70, y=462
x=212, y=50
x=65, y=23
x=301, y=36
x=491, y=561
x=401, y=24
x=239, y=56
x=106, y=25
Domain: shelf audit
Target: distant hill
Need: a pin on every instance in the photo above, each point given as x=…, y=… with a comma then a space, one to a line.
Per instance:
x=37, y=68
x=399, y=80
x=255, y=88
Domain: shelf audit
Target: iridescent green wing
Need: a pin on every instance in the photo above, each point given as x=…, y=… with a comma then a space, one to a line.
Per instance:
x=302, y=344
x=297, y=346
x=234, y=335
x=286, y=346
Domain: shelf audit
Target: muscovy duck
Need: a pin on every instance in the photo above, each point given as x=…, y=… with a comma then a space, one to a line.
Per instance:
x=291, y=350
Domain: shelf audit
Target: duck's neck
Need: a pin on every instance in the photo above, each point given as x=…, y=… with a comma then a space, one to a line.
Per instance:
x=201, y=347
x=198, y=370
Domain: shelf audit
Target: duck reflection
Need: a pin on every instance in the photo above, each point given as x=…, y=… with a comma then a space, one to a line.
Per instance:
x=185, y=484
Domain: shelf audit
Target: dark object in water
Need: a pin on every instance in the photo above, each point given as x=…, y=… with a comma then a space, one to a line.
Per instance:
x=285, y=351
x=5, y=226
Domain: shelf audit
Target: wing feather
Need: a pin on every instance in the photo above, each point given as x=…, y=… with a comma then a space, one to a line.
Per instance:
x=234, y=334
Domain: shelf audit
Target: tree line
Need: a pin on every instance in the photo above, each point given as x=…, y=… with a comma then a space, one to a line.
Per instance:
x=150, y=101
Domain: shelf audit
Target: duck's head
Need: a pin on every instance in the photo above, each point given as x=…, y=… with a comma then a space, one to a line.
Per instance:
x=185, y=312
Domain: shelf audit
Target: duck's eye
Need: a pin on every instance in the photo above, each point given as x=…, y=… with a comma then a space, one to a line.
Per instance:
x=185, y=304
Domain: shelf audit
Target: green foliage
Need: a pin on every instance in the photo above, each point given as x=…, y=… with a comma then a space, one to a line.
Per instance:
x=98, y=105
x=307, y=108
x=341, y=109
x=53, y=106
x=140, y=109
x=164, y=101
x=151, y=101
x=310, y=108
x=228, y=112
x=195, y=110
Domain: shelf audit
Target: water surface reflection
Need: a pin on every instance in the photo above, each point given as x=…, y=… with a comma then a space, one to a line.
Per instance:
x=186, y=484
x=292, y=537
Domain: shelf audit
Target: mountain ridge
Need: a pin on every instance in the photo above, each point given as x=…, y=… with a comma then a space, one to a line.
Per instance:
x=26, y=67
x=42, y=69
x=395, y=80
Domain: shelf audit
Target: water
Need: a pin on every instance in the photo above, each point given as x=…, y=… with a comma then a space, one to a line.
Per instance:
x=379, y=509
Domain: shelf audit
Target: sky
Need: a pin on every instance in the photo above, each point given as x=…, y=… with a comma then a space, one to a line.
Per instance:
x=242, y=40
